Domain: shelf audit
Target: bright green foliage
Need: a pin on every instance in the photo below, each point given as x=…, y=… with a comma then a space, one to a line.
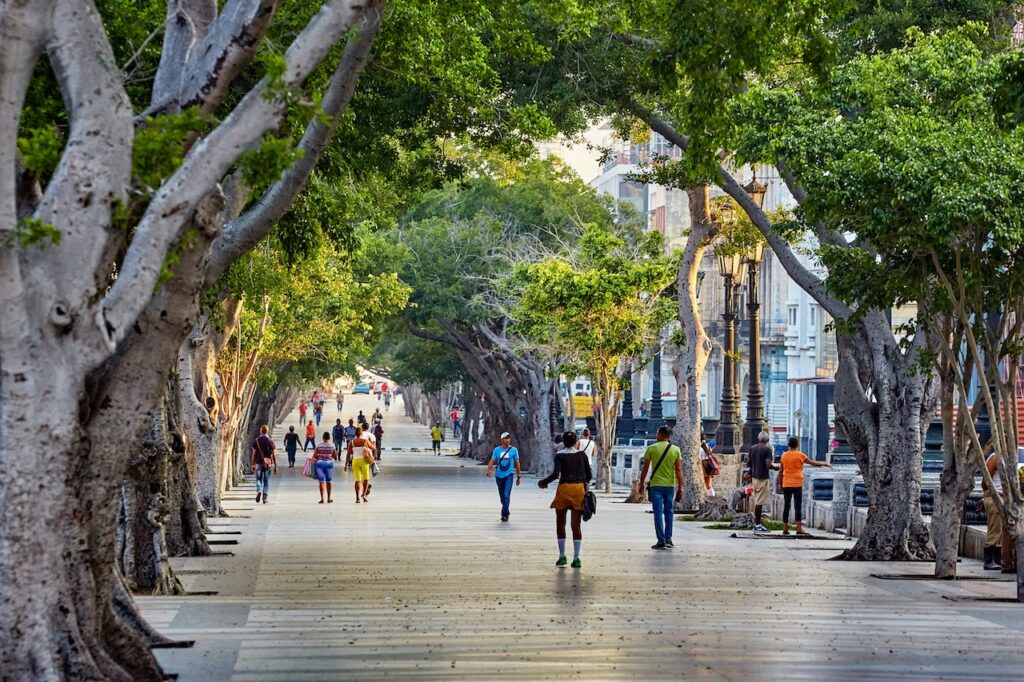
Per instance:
x=907, y=152
x=599, y=303
x=265, y=164
x=34, y=232
x=159, y=147
x=40, y=149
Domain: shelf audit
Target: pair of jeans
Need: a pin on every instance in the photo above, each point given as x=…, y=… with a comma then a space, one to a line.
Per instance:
x=291, y=454
x=795, y=496
x=309, y=441
x=318, y=415
x=662, y=497
x=505, y=493
x=263, y=481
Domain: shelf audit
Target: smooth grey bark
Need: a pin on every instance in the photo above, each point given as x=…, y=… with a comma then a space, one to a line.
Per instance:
x=691, y=359
x=94, y=352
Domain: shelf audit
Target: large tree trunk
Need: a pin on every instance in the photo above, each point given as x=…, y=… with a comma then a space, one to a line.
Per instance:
x=886, y=433
x=692, y=358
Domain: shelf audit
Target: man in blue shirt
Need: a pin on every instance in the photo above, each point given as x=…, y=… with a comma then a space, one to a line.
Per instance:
x=338, y=436
x=504, y=462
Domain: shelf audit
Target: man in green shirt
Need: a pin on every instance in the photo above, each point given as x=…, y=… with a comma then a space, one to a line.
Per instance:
x=666, y=479
x=436, y=435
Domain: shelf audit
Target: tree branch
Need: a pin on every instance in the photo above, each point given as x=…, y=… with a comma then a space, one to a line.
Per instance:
x=174, y=203
x=243, y=233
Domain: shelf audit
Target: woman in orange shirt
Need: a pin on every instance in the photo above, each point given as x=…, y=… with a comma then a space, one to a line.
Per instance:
x=791, y=469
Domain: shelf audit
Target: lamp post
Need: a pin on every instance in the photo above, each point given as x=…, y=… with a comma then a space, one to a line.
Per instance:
x=655, y=414
x=727, y=437
x=755, y=422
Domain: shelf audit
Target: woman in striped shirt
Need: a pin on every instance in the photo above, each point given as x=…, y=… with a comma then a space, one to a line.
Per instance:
x=324, y=457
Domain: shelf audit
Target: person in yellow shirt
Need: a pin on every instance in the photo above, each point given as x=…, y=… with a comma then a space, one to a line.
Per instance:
x=791, y=469
x=436, y=436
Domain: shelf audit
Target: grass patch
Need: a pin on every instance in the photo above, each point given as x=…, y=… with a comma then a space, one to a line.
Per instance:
x=725, y=524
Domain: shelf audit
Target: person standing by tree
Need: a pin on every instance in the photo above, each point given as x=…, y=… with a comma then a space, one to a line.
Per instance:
x=761, y=460
x=360, y=457
x=436, y=435
x=588, y=447
x=573, y=471
x=666, y=479
x=324, y=457
x=310, y=436
x=504, y=462
x=338, y=435
x=264, y=460
x=291, y=444
x=993, y=518
x=791, y=466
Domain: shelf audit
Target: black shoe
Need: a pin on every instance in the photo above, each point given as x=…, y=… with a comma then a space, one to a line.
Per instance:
x=259, y=495
x=265, y=500
x=669, y=544
x=504, y=519
x=659, y=545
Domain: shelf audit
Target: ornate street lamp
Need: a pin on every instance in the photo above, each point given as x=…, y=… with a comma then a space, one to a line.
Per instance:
x=727, y=437
x=755, y=422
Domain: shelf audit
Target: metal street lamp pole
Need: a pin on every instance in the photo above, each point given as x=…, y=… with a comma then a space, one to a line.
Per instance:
x=727, y=437
x=755, y=422
x=655, y=415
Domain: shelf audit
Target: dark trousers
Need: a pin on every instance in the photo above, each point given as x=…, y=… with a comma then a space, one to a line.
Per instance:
x=291, y=454
x=309, y=441
x=793, y=496
x=505, y=493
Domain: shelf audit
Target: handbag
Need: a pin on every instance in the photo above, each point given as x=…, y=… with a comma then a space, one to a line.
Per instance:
x=375, y=469
x=307, y=468
x=268, y=463
x=589, y=505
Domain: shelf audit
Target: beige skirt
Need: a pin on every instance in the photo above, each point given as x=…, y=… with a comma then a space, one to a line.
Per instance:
x=569, y=496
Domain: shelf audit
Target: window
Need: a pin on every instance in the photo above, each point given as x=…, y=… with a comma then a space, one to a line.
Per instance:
x=811, y=308
x=792, y=316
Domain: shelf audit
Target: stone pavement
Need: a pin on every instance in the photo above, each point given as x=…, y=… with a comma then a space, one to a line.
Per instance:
x=425, y=583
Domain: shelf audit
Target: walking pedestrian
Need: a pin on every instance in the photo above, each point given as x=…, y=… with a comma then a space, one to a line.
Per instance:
x=318, y=411
x=302, y=411
x=378, y=435
x=761, y=461
x=340, y=399
x=436, y=434
x=350, y=433
x=387, y=401
x=264, y=461
x=456, y=428
x=360, y=457
x=791, y=466
x=361, y=420
x=310, y=436
x=666, y=479
x=291, y=444
x=572, y=469
x=376, y=417
x=504, y=462
x=588, y=447
x=323, y=462
x=338, y=435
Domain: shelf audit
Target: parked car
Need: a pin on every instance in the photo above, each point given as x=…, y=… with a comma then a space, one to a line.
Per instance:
x=361, y=388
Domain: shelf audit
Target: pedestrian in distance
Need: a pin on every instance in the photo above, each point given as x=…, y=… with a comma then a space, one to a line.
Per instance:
x=456, y=427
x=340, y=399
x=588, y=447
x=359, y=458
x=791, y=466
x=994, y=535
x=323, y=457
x=707, y=466
x=338, y=435
x=666, y=479
x=361, y=420
x=376, y=417
x=572, y=469
x=310, y=436
x=378, y=435
x=504, y=463
x=291, y=444
x=436, y=436
x=761, y=460
x=302, y=411
x=387, y=401
x=318, y=412
x=264, y=461
x=350, y=433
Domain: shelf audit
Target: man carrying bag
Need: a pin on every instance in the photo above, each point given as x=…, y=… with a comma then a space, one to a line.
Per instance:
x=666, y=479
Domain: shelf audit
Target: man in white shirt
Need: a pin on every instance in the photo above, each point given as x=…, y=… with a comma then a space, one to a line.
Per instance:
x=589, y=448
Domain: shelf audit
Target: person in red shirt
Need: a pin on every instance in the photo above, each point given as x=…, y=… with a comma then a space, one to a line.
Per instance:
x=310, y=436
x=791, y=469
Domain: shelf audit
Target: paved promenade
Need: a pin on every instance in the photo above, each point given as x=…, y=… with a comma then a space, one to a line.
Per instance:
x=425, y=583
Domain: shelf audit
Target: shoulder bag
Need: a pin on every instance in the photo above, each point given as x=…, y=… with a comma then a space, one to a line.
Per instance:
x=661, y=459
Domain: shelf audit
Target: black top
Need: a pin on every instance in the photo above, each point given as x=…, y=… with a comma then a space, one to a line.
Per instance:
x=760, y=458
x=291, y=439
x=571, y=466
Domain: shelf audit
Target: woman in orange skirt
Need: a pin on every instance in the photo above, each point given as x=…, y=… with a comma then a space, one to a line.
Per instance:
x=572, y=469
